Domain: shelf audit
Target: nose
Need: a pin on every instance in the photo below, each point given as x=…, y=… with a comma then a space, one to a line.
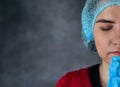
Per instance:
x=116, y=39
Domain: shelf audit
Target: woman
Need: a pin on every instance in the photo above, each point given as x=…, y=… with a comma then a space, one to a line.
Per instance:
x=101, y=33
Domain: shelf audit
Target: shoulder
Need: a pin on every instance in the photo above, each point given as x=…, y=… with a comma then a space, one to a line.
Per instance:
x=74, y=78
x=77, y=73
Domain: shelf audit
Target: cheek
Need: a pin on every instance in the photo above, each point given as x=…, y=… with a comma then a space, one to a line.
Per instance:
x=101, y=44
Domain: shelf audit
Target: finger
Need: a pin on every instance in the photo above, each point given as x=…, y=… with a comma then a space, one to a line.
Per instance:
x=115, y=66
x=114, y=82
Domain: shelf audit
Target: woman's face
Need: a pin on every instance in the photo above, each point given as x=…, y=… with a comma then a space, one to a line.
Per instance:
x=107, y=33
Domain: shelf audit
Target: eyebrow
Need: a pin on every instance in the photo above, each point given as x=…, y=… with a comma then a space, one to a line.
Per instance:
x=104, y=21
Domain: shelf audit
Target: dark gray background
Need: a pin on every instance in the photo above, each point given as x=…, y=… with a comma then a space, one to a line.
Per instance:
x=40, y=40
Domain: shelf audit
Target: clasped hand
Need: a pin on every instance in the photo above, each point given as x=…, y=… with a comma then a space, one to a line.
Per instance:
x=114, y=72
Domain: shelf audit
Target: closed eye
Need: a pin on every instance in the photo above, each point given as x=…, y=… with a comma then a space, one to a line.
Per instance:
x=106, y=28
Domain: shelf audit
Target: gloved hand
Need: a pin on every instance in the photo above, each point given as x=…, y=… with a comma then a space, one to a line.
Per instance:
x=114, y=72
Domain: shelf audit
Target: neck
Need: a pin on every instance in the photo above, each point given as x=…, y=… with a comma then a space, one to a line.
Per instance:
x=104, y=74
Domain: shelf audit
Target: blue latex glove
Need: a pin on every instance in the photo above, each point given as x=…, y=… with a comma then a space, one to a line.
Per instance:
x=114, y=71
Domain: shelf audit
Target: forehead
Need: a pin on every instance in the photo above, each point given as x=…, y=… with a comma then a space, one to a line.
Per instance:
x=112, y=13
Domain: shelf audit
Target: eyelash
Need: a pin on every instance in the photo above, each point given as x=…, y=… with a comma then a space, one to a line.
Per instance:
x=106, y=29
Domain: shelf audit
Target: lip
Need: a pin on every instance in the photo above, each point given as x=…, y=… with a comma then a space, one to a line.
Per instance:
x=116, y=53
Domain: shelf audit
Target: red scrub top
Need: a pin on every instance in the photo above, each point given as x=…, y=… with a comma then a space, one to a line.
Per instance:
x=86, y=77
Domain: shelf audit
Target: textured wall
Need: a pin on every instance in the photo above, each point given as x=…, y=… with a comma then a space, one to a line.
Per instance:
x=40, y=40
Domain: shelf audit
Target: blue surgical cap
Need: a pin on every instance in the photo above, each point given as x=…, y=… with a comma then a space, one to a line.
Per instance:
x=90, y=12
